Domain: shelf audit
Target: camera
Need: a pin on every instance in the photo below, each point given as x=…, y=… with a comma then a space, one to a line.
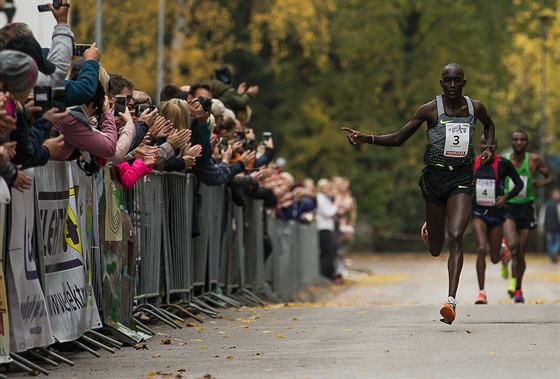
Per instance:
x=249, y=144
x=47, y=98
x=120, y=105
x=45, y=7
x=223, y=146
x=206, y=103
x=79, y=49
x=141, y=108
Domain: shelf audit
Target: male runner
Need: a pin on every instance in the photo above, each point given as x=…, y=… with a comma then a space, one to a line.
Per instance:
x=447, y=180
x=520, y=211
x=488, y=211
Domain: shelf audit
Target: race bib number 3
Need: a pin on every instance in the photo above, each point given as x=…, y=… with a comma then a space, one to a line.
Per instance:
x=457, y=138
x=486, y=192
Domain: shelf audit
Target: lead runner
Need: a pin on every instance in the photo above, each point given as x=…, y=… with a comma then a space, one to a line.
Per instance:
x=447, y=180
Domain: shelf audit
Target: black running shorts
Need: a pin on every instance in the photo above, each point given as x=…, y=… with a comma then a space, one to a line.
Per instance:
x=522, y=214
x=438, y=185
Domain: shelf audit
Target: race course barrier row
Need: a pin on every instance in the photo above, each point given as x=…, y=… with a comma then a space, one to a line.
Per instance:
x=86, y=262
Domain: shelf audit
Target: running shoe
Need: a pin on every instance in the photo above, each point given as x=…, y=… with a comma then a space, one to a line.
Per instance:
x=448, y=311
x=512, y=285
x=481, y=298
x=424, y=234
x=518, y=297
x=505, y=272
x=506, y=252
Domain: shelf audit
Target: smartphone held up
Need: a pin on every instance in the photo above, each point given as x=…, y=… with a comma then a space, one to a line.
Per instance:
x=49, y=97
x=45, y=7
x=120, y=105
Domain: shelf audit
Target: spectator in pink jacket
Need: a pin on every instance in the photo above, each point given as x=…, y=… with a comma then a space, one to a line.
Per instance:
x=127, y=175
x=81, y=134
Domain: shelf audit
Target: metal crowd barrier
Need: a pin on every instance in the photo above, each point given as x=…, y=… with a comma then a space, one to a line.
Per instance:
x=173, y=270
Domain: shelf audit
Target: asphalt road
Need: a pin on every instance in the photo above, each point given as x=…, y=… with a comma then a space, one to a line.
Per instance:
x=382, y=323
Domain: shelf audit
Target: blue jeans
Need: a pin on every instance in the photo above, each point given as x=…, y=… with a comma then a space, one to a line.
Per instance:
x=553, y=244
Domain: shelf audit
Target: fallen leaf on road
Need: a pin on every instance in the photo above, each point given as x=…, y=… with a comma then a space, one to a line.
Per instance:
x=229, y=357
x=295, y=319
x=166, y=341
x=267, y=332
x=190, y=325
x=281, y=336
x=141, y=346
x=201, y=328
x=156, y=356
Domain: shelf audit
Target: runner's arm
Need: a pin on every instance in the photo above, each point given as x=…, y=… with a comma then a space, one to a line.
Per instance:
x=512, y=173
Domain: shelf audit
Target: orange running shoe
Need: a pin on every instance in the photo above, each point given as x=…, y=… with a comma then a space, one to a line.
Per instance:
x=448, y=311
x=481, y=298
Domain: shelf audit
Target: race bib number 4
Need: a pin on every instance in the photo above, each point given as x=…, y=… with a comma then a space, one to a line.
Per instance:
x=486, y=192
x=457, y=138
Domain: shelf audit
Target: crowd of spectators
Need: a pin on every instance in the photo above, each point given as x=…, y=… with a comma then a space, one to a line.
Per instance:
x=202, y=128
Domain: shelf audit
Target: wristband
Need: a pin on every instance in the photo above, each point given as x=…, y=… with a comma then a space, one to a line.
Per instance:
x=372, y=139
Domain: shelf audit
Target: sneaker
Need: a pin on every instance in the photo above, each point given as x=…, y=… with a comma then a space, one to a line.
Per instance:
x=424, y=234
x=512, y=285
x=518, y=297
x=481, y=298
x=505, y=272
x=448, y=311
x=506, y=252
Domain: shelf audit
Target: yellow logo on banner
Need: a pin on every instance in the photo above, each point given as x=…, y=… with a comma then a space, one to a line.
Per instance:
x=72, y=230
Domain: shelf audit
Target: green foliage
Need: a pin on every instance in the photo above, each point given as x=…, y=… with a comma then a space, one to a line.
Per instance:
x=324, y=64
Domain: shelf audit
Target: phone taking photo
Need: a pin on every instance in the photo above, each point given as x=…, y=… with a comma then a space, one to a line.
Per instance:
x=58, y=98
x=266, y=136
x=120, y=105
x=223, y=144
x=79, y=49
x=45, y=7
x=42, y=98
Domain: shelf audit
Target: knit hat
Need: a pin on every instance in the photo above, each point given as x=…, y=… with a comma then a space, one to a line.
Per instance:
x=30, y=46
x=18, y=71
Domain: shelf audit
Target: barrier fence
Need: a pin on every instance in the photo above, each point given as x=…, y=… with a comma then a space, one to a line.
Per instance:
x=84, y=260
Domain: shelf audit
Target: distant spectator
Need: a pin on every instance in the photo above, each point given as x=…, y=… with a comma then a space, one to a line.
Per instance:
x=234, y=99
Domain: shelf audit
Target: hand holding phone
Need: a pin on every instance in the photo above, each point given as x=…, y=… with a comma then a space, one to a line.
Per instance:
x=120, y=105
x=79, y=49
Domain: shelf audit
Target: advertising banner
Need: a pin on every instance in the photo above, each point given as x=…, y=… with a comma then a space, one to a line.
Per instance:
x=4, y=319
x=66, y=287
x=29, y=321
x=86, y=219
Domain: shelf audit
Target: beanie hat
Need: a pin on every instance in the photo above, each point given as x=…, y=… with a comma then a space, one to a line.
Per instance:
x=223, y=74
x=18, y=71
x=30, y=46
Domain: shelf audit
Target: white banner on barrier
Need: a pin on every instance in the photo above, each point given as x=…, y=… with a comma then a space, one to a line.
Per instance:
x=29, y=321
x=4, y=319
x=84, y=200
x=66, y=287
